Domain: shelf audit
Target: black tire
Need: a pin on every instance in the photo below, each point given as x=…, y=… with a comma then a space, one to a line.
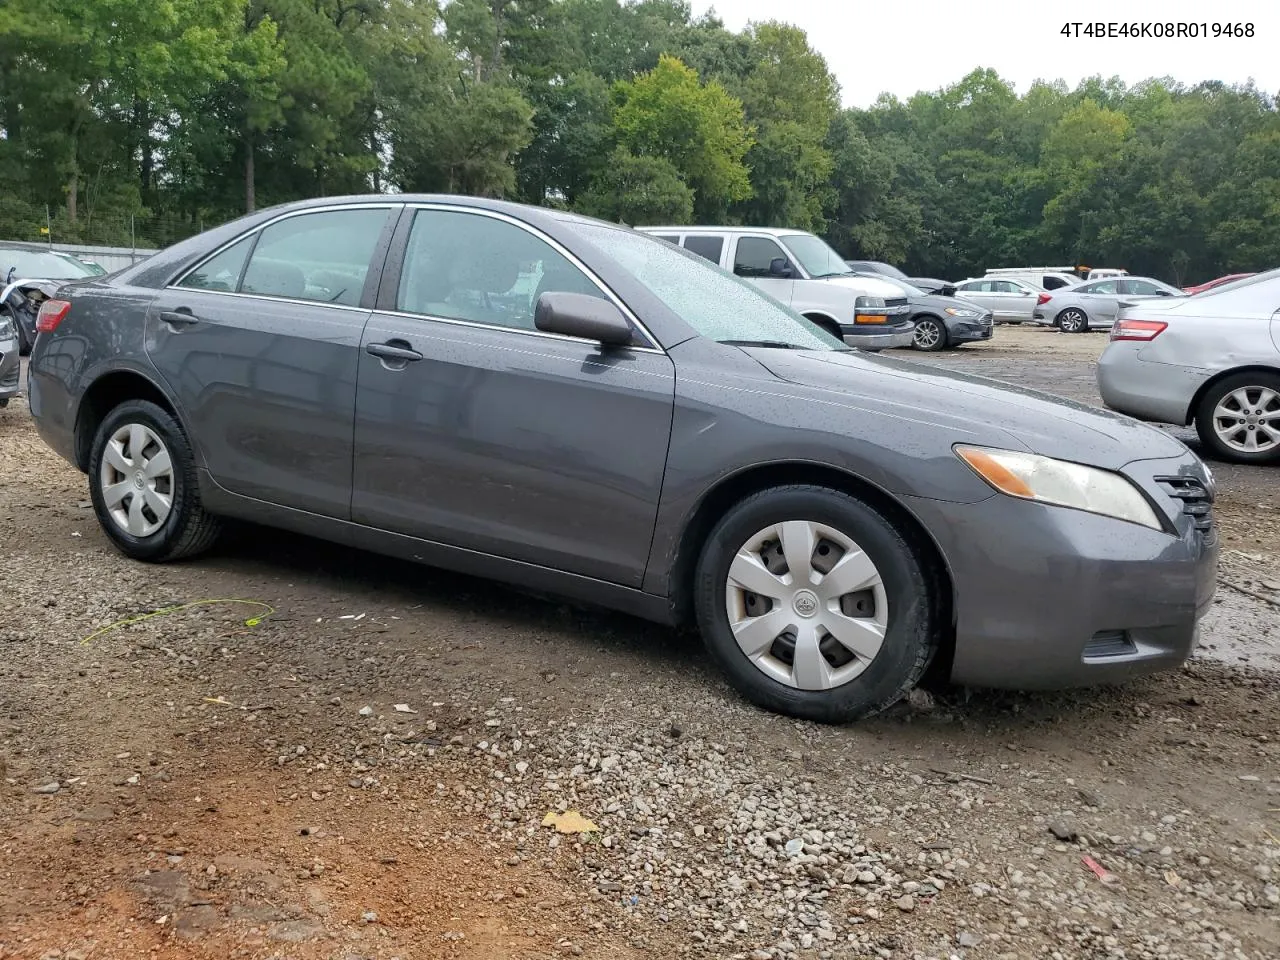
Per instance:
x=188, y=529
x=910, y=638
x=939, y=342
x=1072, y=320
x=1250, y=382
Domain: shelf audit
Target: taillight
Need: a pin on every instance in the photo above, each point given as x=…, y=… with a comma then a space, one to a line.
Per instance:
x=1043, y=299
x=51, y=314
x=1138, y=329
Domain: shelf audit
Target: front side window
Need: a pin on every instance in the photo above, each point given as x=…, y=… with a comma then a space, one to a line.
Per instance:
x=466, y=266
x=322, y=256
x=1005, y=286
x=708, y=247
x=754, y=255
x=709, y=299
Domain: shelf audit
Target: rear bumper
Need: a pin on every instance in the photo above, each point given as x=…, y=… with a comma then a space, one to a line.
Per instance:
x=1049, y=598
x=1158, y=392
x=53, y=411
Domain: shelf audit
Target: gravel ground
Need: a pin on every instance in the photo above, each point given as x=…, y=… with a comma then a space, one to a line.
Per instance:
x=365, y=773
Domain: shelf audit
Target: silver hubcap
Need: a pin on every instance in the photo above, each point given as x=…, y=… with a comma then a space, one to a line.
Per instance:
x=1073, y=320
x=927, y=333
x=1248, y=419
x=806, y=605
x=136, y=480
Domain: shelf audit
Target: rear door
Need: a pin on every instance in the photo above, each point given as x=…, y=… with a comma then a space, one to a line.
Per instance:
x=710, y=246
x=752, y=257
x=259, y=346
x=476, y=430
x=1101, y=300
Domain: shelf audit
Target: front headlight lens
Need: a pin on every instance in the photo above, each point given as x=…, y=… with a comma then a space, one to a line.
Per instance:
x=961, y=312
x=1031, y=477
x=7, y=329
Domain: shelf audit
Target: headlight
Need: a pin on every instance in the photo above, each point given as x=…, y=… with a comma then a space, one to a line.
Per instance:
x=962, y=312
x=868, y=303
x=1031, y=477
x=7, y=330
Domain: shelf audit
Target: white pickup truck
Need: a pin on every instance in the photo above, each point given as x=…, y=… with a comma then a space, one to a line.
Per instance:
x=804, y=273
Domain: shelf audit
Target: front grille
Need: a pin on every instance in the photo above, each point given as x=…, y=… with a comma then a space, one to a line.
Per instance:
x=896, y=305
x=1197, y=501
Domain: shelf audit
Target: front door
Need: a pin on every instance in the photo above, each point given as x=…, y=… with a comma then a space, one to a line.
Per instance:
x=1101, y=300
x=752, y=260
x=259, y=344
x=476, y=430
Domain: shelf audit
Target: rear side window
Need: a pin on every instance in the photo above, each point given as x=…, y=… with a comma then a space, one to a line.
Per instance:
x=1102, y=286
x=1053, y=283
x=709, y=247
x=669, y=237
x=322, y=256
x=221, y=272
x=753, y=256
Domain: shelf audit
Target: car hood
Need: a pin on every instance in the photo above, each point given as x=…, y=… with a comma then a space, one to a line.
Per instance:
x=1012, y=415
x=941, y=303
x=867, y=286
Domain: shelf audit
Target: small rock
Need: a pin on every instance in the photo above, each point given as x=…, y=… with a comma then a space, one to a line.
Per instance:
x=866, y=876
x=793, y=847
x=905, y=904
x=969, y=940
x=369, y=917
x=1062, y=831
x=355, y=783
x=48, y=789
x=366, y=711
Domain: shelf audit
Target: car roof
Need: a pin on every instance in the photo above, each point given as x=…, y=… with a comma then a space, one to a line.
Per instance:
x=702, y=228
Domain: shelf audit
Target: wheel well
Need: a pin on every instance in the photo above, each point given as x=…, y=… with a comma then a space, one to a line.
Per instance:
x=827, y=323
x=1218, y=378
x=718, y=501
x=107, y=393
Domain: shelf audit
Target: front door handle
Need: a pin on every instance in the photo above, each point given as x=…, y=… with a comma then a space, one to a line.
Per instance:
x=178, y=319
x=395, y=351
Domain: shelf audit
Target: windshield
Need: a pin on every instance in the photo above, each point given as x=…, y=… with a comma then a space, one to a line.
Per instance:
x=34, y=265
x=711, y=300
x=817, y=258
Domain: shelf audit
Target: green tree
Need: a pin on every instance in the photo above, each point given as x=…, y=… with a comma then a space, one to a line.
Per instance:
x=698, y=127
x=638, y=191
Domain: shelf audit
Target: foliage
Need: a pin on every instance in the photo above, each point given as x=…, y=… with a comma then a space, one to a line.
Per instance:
x=152, y=119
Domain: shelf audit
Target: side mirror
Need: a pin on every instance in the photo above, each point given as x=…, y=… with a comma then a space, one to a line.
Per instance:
x=8, y=277
x=581, y=315
x=780, y=267
x=1025, y=292
x=1163, y=293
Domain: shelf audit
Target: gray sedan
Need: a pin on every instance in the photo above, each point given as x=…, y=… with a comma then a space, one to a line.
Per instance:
x=1094, y=305
x=1212, y=359
x=578, y=408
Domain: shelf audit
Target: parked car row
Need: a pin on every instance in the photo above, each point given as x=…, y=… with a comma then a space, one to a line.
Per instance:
x=575, y=407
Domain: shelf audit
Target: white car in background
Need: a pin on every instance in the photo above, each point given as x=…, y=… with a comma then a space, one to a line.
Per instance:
x=1212, y=359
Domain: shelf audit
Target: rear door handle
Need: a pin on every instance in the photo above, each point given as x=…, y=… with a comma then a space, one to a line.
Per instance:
x=393, y=350
x=177, y=319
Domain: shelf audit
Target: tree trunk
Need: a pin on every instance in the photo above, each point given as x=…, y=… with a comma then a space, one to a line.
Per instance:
x=250, y=200
x=147, y=165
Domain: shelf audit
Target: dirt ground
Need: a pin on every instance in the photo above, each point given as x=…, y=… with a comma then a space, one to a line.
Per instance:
x=357, y=763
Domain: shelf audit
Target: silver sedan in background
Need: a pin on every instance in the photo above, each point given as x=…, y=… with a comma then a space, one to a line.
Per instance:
x=1010, y=300
x=1094, y=305
x=1212, y=359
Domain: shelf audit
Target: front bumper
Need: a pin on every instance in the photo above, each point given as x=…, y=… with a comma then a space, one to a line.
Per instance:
x=970, y=331
x=1048, y=598
x=878, y=338
x=1157, y=392
x=10, y=369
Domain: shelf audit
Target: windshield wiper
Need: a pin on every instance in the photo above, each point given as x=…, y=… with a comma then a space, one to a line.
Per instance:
x=771, y=344
x=833, y=273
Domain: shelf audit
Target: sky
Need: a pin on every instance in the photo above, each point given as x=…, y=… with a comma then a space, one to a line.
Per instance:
x=905, y=46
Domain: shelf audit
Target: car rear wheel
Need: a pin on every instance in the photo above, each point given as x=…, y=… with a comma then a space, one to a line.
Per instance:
x=930, y=334
x=815, y=605
x=1073, y=320
x=142, y=481
x=1239, y=418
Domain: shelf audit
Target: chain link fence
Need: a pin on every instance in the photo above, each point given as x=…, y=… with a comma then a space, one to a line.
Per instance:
x=39, y=223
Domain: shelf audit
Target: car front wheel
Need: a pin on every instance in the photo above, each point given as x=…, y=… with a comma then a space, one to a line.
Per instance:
x=142, y=482
x=930, y=335
x=1239, y=418
x=815, y=604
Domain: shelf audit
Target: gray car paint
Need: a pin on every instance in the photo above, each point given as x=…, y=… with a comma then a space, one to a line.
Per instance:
x=1017, y=569
x=10, y=365
x=1210, y=335
x=1100, y=308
